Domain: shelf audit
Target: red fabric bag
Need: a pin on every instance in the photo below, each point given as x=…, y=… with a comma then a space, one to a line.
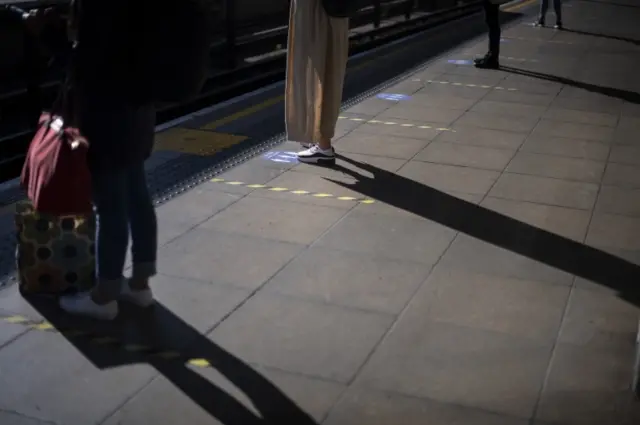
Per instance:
x=56, y=173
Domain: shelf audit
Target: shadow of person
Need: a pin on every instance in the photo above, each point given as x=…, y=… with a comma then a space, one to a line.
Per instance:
x=627, y=95
x=164, y=341
x=600, y=35
x=497, y=229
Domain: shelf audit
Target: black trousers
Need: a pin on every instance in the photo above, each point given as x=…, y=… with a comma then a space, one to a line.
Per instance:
x=491, y=14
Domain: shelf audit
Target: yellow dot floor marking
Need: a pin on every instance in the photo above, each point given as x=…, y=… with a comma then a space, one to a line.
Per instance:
x=297, y=192
x=200, y=362
x=480, y=86
x=391, y=123
x=109, y=342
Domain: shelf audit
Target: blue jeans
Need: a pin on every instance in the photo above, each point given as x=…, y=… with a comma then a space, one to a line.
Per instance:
x=123, y=207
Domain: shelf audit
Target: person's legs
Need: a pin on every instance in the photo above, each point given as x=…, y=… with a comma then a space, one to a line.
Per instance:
x=305, y=57
x=329, y=53
x=557, y=6
x=333, y=82
x=144, y=237
x=493, y=21
x=492, y=17
x=110, y=192
x=544, y=6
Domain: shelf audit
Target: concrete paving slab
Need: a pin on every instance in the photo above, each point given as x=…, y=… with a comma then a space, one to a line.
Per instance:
x=449, y=177
x=511, y=306
x=217, y=400
x=617, y=200
x=382, y=145
x=275, y=220
x=420, y=130
x=508, y=109
x=567, y=222
x=314, y=339
x=498, y=122
x=442, y=101
x=572, y=148
x=48, y=378
x=424, y=114
x=219, y=257
x=384, y=408
x=589, y=387
x=9, y=418
x=353, y=280
x=557, y=167
x=492, y=371
x=625, y=154
x=471, y=254
x=627, y=176
x=386, y=237
x=482, y=137
x=545, y=190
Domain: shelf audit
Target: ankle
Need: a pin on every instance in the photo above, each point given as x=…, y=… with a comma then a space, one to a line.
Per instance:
x=138, y=284
x=325, y=144
x=100, y=298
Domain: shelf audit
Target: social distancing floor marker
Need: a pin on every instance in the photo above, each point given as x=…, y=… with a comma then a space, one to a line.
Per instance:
x=478, y=86
x=382, y=122
x=297, y=192
x=107, y=341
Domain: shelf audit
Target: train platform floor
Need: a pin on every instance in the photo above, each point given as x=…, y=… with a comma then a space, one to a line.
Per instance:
x=473, y=258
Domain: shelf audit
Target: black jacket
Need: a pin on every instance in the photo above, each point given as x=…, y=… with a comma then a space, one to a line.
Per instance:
x=120, y=128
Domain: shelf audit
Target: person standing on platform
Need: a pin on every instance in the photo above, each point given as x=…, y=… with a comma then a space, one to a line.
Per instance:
x=121, y=135
x=544, y=6
x=492, y=17
x=318, y=48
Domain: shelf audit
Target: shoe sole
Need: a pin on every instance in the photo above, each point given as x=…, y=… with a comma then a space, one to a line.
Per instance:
x=487, y=67
x=318, y=161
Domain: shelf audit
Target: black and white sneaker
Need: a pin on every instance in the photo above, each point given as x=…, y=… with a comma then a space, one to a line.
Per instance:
x=315, y=155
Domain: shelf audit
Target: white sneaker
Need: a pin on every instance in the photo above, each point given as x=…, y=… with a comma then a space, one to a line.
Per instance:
x=142, y=298
x=82, y=305
x=315, y=155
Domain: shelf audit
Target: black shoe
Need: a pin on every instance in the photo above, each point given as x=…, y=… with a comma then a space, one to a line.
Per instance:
x=558, y=26
x=538, y=23
x=487, y=62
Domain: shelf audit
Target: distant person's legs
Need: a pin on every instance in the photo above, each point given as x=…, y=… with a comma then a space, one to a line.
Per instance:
x=544, y=6
x=316, y=65
x=492, y=17
x=557, y=6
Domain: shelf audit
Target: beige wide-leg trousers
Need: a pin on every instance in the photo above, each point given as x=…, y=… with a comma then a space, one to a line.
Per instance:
x=318, y=48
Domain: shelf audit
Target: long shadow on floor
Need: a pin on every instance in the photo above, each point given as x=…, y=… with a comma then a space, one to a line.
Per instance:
x=497, y=229
x=161, y=339
x=627, y=95
x=609, y=37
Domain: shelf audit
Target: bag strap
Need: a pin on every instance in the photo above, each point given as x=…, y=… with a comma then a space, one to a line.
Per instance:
x=63, y=105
